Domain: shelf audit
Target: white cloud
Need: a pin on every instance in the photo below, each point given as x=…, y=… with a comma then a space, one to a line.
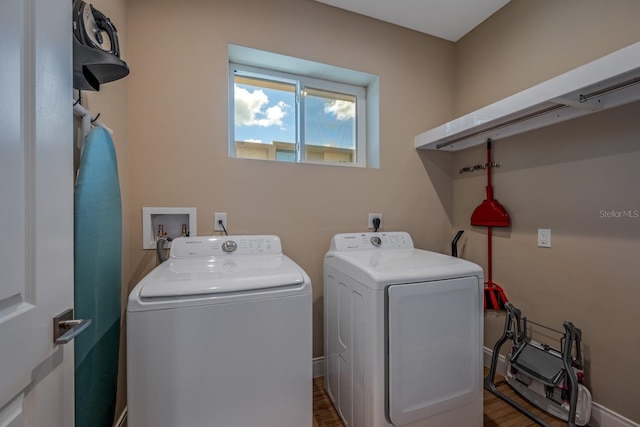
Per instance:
x=343, y=110
x=251, y=109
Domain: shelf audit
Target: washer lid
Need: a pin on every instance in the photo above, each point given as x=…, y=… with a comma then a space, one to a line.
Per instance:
x=198, y=276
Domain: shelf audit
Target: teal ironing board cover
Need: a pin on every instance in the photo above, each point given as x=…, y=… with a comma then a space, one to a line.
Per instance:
x=97, y=265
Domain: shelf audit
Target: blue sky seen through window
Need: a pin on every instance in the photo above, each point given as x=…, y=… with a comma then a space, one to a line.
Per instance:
x=329, y=120
x=265, y=112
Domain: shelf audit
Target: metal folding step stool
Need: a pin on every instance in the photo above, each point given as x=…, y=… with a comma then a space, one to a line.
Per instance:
x=549, y=378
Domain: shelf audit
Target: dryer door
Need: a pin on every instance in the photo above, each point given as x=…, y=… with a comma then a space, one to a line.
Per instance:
x=435, y=338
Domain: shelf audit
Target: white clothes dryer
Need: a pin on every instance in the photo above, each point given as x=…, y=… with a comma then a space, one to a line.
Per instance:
x=219, y=335
x=403, y=333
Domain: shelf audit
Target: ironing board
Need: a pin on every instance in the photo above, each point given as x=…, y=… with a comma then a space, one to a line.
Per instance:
x=97, y=265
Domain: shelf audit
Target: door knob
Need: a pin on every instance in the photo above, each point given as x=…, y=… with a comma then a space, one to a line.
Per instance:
x=66, y=328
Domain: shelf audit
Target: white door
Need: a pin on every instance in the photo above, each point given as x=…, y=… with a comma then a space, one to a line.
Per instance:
x=36, y=211
x=435, y=334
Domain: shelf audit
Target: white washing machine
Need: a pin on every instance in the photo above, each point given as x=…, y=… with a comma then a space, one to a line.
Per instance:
x=403, y=333
x=219, y=335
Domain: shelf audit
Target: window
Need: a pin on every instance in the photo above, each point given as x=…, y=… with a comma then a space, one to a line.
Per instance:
x=289, y=117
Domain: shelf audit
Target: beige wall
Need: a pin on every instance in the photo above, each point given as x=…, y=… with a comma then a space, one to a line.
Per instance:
x=561, y=178
x=177, y=128
x=530, y=41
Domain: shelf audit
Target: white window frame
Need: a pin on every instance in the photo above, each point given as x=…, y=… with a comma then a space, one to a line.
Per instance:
x=316, y=76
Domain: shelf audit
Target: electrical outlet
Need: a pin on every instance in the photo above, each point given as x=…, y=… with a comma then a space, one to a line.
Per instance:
x=217, y=217
x=371, y=217
x=544, y=238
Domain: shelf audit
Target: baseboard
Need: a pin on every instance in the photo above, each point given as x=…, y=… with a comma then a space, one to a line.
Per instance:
x=122, y=420
x=318, y=367
x=600, y=415
x=501, y=368
x=604, y=417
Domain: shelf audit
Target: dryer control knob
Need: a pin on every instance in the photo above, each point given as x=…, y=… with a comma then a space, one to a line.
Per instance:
x=229, y=246
x=376, y=241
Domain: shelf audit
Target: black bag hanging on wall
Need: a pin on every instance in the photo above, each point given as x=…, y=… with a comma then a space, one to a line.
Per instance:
x=94, y=61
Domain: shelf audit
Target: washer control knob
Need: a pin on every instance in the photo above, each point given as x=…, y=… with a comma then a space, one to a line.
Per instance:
x=229, y=246
x=376, y=241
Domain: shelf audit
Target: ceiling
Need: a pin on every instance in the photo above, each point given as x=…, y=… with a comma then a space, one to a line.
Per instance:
x=447, y=19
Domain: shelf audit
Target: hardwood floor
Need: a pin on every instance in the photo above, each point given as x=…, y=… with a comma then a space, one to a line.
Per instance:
x=324, y=415
x=497, y=413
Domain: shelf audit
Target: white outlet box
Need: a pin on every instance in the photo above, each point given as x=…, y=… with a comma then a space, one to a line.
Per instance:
x=544, y=238
x=217, y=217
x=171, y=219
x=371, y=217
